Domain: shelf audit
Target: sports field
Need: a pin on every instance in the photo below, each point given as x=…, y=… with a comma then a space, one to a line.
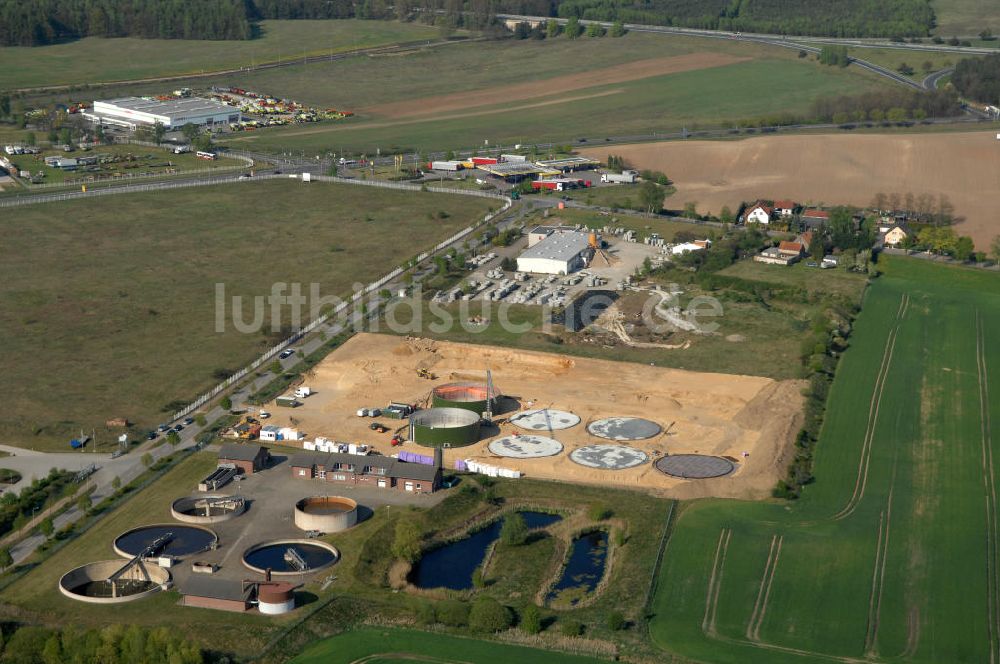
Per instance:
x=534, y=91
x=834, y=169
x=98, y=60
x=107, y=306
x=892, y=555
x=386, y=645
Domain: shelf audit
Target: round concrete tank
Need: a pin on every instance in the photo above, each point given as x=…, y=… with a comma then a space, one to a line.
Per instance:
x=90, y=583
x=444, y=427
x=327, y=514
x=273, y=599
x=470, y=396
x=211, y=508
x=290, y=557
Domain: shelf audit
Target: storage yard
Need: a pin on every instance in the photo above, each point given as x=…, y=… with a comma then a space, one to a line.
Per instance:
x=680, y=413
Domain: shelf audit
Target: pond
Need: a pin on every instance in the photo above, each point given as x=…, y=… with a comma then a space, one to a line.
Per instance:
x=451, y=566
x=584, y=569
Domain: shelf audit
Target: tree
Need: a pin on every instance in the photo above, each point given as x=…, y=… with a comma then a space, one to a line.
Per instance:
x=595, y=30
x=6, y=559
x=651, y=197
x=190, y=131
x=275, y=367
x=531, y=620
x=573, y=28
x=514, y=531
x=817, y=246
x=173, y=437
x=200, y=420
x=66, y=136
x=147, y=459
x=84, y=502
x=203, y=143
x=453, y=613
x=927, y=66
x=159, y=131
x=987, y=35
x=570, y=628
x=995, y=248
x=618, y=29
x=47, y=527
x=4, y=106
x=489, y=616
x=905, y=69
x=226, y=403
x=551, y=28
x=116, y=483
x=964, y=248
x=726, y=215
x=691, y=210
x=406, y=540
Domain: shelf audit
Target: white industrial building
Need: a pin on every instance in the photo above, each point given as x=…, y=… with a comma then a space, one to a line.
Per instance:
x=562, y=252
x=133, y=112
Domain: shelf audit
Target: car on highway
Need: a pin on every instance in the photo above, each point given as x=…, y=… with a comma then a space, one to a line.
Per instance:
x=287, y=353
x=151, y=435
x=178, y=427
x=164, y=428
x=188, y=421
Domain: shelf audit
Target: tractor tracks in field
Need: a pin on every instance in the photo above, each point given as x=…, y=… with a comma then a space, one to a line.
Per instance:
x=878, y=577
x=990, y=494
x=715, y=582
x=764, y=592
x=864, y=463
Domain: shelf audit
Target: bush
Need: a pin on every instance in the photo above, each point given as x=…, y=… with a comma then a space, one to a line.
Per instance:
x=453, y=613
x=616, y=621
x=598, y=512
x=489, y=616
x=406, y=541
x=570, y=628
x=514, y=531
x=531, y=620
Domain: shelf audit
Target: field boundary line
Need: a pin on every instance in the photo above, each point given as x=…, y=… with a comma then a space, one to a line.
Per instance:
x=664, y=542
x=764, y=592
x=873, y=411
x=715, y=581
x=990, y=495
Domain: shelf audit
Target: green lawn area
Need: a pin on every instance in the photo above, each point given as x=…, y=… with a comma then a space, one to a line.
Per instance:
x=387, y=645
x=837, y=281
x=889, y=555
x=698, y=98
x=107, y=305
x=98, y=60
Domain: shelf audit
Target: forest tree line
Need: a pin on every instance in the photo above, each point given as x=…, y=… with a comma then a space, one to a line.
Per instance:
x=979, y=79
x=844, y=18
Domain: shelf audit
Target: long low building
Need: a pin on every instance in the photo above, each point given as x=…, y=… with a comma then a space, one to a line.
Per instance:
x=373, y=470
x=561, y=252
x=133, y=112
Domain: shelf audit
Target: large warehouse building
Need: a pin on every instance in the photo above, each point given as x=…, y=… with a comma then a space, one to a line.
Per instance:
x=133, y=112
x=562, y=252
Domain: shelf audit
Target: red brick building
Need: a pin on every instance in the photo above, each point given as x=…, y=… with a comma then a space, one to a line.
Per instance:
x=248, y=458
x=372, y=470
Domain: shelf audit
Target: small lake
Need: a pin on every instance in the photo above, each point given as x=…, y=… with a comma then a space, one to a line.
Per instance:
x=584, y=569
x=451, y=566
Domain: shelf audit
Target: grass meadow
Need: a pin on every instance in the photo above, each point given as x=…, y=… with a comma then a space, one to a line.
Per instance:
x=107, y=306
x=890, y=554
x=965, y=17
x=98, y=60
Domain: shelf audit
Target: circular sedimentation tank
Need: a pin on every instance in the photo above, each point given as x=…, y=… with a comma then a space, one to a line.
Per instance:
x=211, y=508
x=444, y=427
x=90, y=583
x=609, y=457
x=181, y=540
x=624, y=428
x=468, y=396
x=290, y=557
x=695, y=466
x=545, y=419
x=327, y=514
x=525, y=446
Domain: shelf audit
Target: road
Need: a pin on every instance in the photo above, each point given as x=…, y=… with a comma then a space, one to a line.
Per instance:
x=930, y=81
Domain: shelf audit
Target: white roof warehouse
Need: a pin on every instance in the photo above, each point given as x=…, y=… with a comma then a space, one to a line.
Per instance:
x=135, y=111
x=562, y=252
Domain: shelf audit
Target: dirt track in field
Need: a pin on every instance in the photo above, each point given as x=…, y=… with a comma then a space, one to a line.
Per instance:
x=629, y=71
x=834, y=169
x=712, y=413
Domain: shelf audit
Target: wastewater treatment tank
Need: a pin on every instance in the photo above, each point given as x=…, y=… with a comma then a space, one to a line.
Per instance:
x=444, y=427
x=290, y=557
x=327, y=514
x=212, y=508
x=469, y=396
x=174, y=540
x=97, y=583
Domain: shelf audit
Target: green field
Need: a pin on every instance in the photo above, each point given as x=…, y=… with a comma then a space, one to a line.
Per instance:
x=378, y=646
x=702, y=97
x=107, y=306
x=894, y=58
x=965, y=18
x=890, y=555
x=98, y=60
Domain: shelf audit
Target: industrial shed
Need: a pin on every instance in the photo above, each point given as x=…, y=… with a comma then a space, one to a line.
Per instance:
x=132, y=112
x=248, y=458
x=209, y=592
x=561, y=252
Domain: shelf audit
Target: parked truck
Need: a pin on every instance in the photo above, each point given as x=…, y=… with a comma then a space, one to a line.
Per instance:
x=625, y=177
x=445, y=166
x=302, y=392
x=288, y=402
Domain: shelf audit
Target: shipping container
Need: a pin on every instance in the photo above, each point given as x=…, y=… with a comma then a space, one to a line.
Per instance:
x=482, y=161
x=446, y=165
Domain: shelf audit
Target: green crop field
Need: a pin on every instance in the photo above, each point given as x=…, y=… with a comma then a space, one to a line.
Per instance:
x=98, y=60
x=892, y=554
x=403, y=645
x=666, y=102
x=107, y=306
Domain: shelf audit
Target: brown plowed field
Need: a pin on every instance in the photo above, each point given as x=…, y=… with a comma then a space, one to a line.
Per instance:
x=629, y=71
x=711, y=413
x=834, y=169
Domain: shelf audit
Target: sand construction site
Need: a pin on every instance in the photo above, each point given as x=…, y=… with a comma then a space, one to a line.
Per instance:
x=748, y=419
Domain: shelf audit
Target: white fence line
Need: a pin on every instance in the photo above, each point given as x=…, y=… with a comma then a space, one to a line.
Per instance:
x=372, y=287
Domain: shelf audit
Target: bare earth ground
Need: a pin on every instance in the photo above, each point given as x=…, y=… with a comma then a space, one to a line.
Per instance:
x=834, y=169
x=630, y=71
x=714, y=413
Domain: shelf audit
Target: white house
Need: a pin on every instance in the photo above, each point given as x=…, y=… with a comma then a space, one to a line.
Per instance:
x=784, y=208
x=758, y=213
x=562, y=252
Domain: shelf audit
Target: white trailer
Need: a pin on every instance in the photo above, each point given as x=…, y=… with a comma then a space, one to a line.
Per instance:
x=446, y=166
x=625, y=177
